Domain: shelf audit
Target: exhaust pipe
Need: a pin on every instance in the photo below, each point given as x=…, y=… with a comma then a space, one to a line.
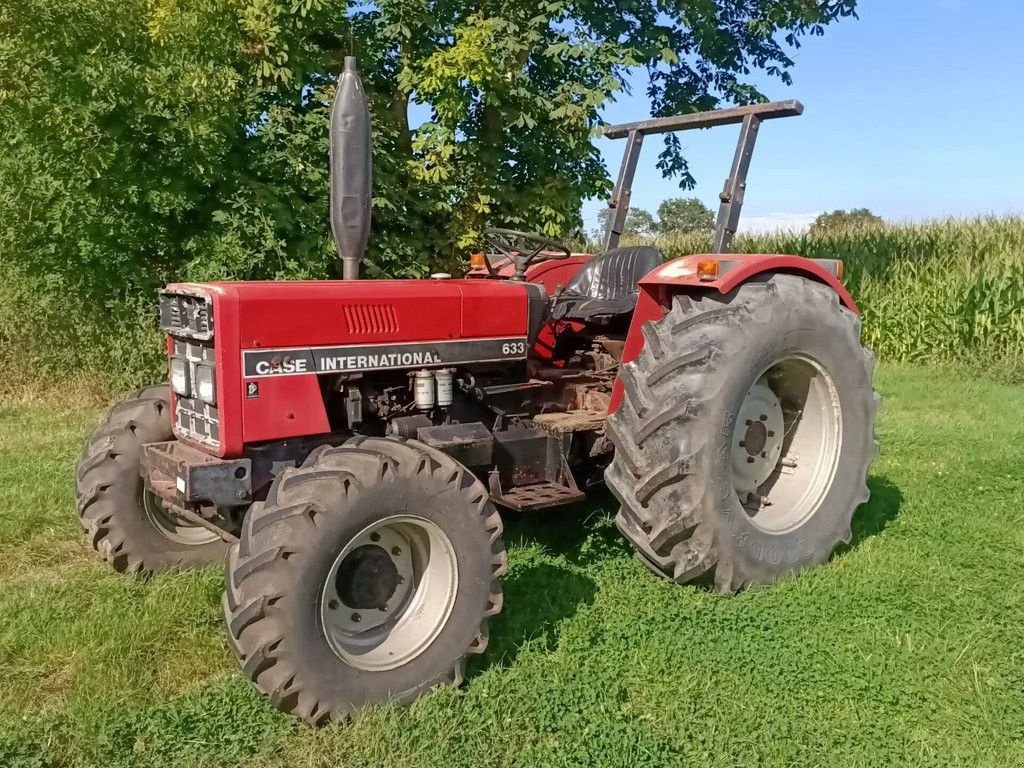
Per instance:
x=351, y=171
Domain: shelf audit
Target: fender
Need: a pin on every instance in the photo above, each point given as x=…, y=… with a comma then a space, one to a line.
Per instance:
x=680, y=275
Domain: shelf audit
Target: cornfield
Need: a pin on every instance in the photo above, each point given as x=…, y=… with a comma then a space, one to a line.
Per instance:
x=941, y=291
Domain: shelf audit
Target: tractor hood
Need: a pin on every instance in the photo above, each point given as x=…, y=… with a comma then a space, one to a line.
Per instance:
x=336, y=312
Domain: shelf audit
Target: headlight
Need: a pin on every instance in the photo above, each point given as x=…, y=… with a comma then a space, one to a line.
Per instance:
x=206, y=384
x=179, y=376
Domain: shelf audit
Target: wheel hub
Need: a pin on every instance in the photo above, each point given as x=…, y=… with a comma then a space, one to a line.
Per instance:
x=779, y=491
x=367, y=578
x=389, y=592
x=758, y=447
x=755, y=438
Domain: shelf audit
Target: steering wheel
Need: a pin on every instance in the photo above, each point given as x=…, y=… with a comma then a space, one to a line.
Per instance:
x=521, y=248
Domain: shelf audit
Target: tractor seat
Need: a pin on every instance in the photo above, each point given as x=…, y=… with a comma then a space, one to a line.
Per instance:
x=607, y=284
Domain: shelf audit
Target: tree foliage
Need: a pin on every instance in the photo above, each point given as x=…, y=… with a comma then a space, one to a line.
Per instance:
x=840, y=220
x=684, y=215
x=145, y=140
x=638, y=222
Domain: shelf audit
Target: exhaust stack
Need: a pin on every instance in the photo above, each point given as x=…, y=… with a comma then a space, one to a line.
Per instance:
x=351, y=171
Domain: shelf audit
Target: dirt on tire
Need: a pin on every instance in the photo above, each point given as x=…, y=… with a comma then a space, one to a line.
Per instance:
x=671, y=468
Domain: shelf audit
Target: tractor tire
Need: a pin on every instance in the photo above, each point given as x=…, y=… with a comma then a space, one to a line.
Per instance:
x=123, y=521
x=366, y=576
x=744, y=436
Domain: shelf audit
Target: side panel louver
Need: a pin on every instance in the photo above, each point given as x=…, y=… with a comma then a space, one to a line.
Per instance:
x=370, y=318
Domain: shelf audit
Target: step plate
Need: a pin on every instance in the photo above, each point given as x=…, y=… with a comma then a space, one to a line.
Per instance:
x=571, y=421
x=538, y=496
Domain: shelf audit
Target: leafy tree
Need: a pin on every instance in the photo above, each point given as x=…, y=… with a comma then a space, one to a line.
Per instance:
x=638, y=222
x=145, y=140
x=684, y=215
x=837, y=221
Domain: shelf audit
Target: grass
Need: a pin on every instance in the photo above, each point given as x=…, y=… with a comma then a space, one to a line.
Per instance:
x=907, y=649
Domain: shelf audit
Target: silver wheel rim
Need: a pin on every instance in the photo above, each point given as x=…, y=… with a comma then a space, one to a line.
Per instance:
x=786, y=444
x=172, y=527
x=389, y=593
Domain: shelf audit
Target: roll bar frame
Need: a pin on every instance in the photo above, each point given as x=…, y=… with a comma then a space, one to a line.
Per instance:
x=750, y=118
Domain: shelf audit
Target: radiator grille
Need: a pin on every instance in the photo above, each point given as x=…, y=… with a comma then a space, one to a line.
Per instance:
x=194, y=418
x=184, y=314
x=198, y=420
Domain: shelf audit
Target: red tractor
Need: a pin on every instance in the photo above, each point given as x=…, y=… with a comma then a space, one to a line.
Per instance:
x=348, y=444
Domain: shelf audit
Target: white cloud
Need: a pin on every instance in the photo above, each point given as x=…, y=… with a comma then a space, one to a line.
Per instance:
x=777, y=222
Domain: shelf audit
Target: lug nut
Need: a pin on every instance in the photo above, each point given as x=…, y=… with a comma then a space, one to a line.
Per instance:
x=764, y=417
x=401, y=579
x=333, y=605
x=396, y=551
x=750, y=459
x=356, y=617
x=764, y=455
x=770, y=433
x=374, y=536
x=749, y=422
x=384, y=608
x=742, y=444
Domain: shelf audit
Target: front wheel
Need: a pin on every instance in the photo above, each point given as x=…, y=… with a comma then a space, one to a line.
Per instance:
x=131, y=527
x=367, y=576
x=745, y=434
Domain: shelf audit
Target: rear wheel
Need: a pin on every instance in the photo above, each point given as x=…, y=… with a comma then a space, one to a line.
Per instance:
x=132, y=528
x=745, y=434
x=368, y=575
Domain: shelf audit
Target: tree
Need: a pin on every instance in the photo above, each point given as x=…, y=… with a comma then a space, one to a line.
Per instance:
x=837, y=221
x=685, y=216
x=638, y=222
x=152, y=139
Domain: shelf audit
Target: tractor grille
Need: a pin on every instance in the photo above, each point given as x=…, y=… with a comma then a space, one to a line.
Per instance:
x=194, y=418
x=185, y=314
x=197, y=420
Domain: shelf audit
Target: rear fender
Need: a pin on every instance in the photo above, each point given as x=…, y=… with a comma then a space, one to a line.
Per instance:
x=680, y=276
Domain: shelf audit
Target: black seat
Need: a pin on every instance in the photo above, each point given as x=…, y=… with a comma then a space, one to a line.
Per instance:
x=607, y=284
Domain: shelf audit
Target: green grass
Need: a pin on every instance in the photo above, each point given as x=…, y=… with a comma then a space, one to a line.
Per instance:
x=907, y=649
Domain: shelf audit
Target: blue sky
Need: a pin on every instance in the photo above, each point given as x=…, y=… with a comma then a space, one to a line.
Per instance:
x=915, y=110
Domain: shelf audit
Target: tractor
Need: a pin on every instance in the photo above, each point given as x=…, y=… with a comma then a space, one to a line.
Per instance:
x=346, y=445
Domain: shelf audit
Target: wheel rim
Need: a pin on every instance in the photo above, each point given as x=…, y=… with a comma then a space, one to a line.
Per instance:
x=171, y=526
x=389, y=593
x=786, y=444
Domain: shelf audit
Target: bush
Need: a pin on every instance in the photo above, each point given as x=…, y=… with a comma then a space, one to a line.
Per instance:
x=950, y=291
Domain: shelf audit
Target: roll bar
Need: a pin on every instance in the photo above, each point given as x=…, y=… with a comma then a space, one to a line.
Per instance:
x=750, y=118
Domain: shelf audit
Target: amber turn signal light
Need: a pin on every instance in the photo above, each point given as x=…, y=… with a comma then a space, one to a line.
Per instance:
x=476, y=261
x=707, y=270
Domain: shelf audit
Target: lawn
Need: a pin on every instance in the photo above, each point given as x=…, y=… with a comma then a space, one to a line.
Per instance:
x=908, y=648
